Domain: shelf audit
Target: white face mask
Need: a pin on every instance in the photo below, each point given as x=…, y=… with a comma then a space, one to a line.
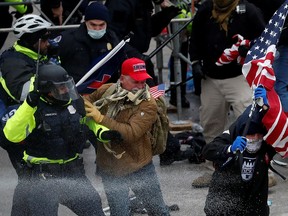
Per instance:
x=253, y=145
x=96, y=34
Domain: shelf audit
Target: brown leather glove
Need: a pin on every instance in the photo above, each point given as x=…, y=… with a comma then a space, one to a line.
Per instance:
x=92, y=111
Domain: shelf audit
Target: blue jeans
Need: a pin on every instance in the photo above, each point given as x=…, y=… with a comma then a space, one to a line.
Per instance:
x=145, y=185
x=280, y=68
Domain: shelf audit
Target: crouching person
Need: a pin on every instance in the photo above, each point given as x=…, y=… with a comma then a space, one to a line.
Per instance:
x=51, y=125
x=239, y=183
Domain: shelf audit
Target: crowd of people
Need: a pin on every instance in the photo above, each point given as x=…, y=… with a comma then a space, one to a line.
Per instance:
x=48, y=120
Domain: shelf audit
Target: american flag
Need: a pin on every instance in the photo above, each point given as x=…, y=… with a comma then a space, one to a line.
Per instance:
x=258, y=69
x=103, y=74
x=231, y=54
x=157, y=91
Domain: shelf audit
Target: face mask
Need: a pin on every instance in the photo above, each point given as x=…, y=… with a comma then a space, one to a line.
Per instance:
x=96, y=34
x=253, y=145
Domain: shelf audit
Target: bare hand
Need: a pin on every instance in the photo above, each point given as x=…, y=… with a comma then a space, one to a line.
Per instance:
x=58, y=12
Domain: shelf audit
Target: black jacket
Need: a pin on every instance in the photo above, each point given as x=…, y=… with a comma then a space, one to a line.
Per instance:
x=229, y=194
x=208, y=41
x=136, y=16
x=78, y=51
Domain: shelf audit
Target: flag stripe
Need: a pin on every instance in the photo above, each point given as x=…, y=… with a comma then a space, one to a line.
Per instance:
x=257, y=70
x=157, y=91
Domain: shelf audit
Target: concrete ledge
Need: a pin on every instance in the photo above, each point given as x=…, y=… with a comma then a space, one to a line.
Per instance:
x=180, y=125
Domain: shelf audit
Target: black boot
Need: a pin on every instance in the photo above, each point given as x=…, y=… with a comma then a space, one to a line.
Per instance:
x=184, y=102
x=173, y=100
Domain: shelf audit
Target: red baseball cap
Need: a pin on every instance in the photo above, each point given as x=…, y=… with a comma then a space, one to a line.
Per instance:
x=135, y=68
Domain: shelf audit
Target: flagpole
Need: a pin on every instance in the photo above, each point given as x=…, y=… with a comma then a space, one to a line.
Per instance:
x=115, y=50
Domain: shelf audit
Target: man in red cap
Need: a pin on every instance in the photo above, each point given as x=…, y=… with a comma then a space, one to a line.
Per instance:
x=128, y=107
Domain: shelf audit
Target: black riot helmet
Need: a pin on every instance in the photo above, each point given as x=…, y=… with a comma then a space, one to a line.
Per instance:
x=54, y=81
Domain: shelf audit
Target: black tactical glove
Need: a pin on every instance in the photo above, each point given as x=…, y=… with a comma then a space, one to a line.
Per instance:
x=171, y=12
x=243, y=50
x=33, y=98
x=197, y=71
x=112, y=135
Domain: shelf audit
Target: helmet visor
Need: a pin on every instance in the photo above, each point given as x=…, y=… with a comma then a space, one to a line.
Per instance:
x=65, y=91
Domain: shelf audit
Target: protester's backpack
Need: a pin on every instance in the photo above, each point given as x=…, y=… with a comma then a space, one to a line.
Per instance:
x=160, y=128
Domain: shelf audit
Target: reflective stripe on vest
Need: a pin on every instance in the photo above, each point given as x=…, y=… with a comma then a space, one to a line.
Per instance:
x=42, y=160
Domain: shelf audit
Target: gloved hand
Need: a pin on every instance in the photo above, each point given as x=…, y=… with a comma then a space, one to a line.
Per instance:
x=112, y=135
x=243, y=50
x=33, y=98
x=171, y=12
x=92, y=111
x=197, y=71
x=260, y=96
x=239, y=144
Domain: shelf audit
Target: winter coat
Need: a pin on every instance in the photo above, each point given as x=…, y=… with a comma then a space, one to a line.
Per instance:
x=236, y=189
x=208, y=41
x=134, y=124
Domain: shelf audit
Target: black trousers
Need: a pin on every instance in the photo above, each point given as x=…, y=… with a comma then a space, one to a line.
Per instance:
x=41, y=189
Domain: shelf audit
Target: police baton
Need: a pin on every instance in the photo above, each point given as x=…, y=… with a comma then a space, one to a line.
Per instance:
x=178, y=84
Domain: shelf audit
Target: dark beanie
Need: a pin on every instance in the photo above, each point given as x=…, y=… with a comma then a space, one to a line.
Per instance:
x=255, y=126
x=97, y=11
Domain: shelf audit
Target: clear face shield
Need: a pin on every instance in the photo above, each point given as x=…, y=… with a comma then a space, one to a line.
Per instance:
x=65, y=91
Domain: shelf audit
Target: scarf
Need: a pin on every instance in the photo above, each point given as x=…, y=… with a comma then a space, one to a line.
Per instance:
x=116, y=101
x=222, y=10
x=120, y=96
